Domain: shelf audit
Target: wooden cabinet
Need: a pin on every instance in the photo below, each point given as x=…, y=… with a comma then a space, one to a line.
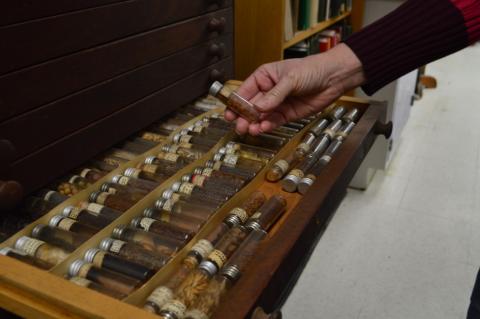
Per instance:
x=74, y=99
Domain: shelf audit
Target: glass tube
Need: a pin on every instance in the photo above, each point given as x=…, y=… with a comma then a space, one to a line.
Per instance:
x=260, y=151
x=92, y=175
x=83, y=216
x=100, y=210
x=52, y=196
x=162, y=228
x=103, y=259
x=268, y=214
x=72, y=185
x=114, y=201
x=137, y=183
x=242, y=162
x=107, y=278
x=97, y=287
x=36, y=206
x=20, y=255
x=145, y=175
x=281, y=167
x=185, y=222
x=131, y=193
x=72, y=225
x=153, y=242
x=154, y=137
x=134, y=253
x=67, y=240
x=40, y=250
x=239, y=215
x=226, y=246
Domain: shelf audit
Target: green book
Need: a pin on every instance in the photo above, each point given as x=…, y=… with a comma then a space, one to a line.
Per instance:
x=304, y=15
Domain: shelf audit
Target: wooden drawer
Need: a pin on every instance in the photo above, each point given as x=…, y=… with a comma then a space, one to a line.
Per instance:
x=68, y=27
x=59, y=78
x=68, y=151
x=283, y=252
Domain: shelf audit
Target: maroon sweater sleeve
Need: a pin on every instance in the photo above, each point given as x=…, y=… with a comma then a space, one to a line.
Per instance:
x=418, y=32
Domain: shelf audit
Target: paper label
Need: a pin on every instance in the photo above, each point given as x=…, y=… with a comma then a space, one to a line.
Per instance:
x=185, y=139
x=230, y=150
x=31, y=245
x=173, y=148
x=175, y=198
x=66, y=223
x=123, y=180
x=217, y=165
x=85, y=172
x=146, y=222
x=167, y=205
x=199, y=179
x=116, y=246
x=185, y=145
x=283, y=165
x=198, y=129
x=74, y=212
x=296, y=172
x=256, y=215
x=172, y=157
x=95, y=208
x=135, y=172
x=80, y=281
x=102, y=197
x=160, y=296
x=150, y=168
x=207, y=171
x=230, y=159
x=203, y=247
x=186, y=188
x=165, y=217
x=240, y=213
x=218, y=258
x=111, y=190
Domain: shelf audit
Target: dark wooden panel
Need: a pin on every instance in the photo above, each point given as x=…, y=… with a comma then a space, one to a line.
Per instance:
x=72, y=150
x=14, y=11
x=40, y=40
x=78, y=110
x=29, y=88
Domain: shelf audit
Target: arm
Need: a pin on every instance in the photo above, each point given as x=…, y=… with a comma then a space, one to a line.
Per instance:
x=418, y=32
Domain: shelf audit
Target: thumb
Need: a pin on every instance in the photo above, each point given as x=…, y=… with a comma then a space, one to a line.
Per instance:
x=275, y=96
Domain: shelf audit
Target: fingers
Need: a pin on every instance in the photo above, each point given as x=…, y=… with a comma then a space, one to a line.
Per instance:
x=275, y=96
x=258, y=81
x=229, y=115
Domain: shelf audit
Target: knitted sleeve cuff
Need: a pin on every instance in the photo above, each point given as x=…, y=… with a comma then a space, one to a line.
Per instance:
x=418, y=32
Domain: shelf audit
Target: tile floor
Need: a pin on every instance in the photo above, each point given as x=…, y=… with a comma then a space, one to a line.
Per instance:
x=409, y=246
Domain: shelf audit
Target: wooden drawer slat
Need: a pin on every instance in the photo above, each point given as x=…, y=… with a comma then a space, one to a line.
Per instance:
x=102, y=99
x=71, y=150
x=66, y=33
x=31, y=87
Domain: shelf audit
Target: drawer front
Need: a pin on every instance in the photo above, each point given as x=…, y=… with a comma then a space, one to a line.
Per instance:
x=279, y=261
x=47, y=82
x=70, y=151
x=76, y=111
x=66, y=32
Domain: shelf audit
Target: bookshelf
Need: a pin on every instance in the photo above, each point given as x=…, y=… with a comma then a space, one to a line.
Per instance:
x=259, y=32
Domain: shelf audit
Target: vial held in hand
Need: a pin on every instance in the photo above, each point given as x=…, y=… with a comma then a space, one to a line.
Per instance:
x=235, y=102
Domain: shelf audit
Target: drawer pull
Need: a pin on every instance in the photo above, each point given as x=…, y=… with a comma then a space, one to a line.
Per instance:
x=217, y=75
x=384, y=129
x=217, y=50
x=217, y=25
x=11, y=192
x=258, y=313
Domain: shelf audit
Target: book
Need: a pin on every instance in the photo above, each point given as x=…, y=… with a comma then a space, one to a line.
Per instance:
x=327, y=9
x=322, y=10
x=304, y=15
x=314, y=7
x=288, y=22
x=295, y=14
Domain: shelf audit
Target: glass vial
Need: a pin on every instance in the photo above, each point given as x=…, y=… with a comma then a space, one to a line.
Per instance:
x=99, y=288
x=162, y=228
x=235, y=102
x=133, y=253
x=131, y=193
x=155, y=243
x=240, y=215
x=107, y=278
x=268, y=214
x=52, y=196
x=100, y=210
x=145, y=175
x=72, y=225
x=92, y=175
x=136, y=183
x=86, y=217
x=102, y=259
x=20, y=255
x=191, y=225
x=40, y=250
x=67, y=240
x=117, y=202
x=281, y=167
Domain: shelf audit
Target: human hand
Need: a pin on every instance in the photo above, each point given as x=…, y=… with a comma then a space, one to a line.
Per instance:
x=291, y=89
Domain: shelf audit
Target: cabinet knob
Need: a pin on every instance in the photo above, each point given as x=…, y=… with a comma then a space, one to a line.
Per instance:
x=384, y=129
x=217, y=75
x=258, y=313
x=217, y=24
x=11, y=192
x=217, y=50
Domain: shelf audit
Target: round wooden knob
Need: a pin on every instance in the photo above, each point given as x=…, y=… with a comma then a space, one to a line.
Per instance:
x=11, y=192
x=217, y=50
x=217, y=75
x=258, y=313
x=384, y=129
x=217, y=25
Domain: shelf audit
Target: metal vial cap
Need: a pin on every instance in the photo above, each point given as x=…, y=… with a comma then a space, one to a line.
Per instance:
x=150, y=159
x=90, y=254
x=55, y=220
x=106, y=243
x=75, y=267
x=304, y=185
x=176, y=186
x=21, y=242
x=37, y=229
x=160, y=202
x=118, y=231
x=215, y=88
x=136, y=221
x=209, y=267
x=105, y=187
x=129, y=172
x=93, y=196
x=116, y=178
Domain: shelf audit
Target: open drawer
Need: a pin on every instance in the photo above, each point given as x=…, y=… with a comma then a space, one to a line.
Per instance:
x=33, y=293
